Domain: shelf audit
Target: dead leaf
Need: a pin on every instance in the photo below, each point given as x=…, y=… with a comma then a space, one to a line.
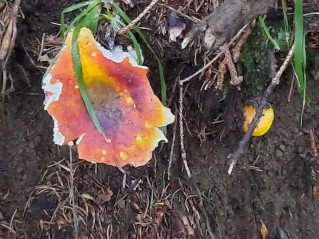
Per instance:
x=139, y=218
x=121, y=203
x=188, y=226
x=2, y=5
x=105, y=197
x=159, y=217
x=314, y=192
x=263, y=230
x=136, y=207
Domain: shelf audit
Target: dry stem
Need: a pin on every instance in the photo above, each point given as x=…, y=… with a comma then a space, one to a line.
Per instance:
x=72, y=197
x=171, y=156
x=202, y=207
x=181, y=131
x=8, y=42
x=9, y=37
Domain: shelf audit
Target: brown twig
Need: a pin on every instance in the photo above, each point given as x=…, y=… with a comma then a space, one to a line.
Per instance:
x=263, y=101
x=222, y=68
x=235, y=79
x=313, y=144
x=181, y=82
x=137, y=19
x=240, y=43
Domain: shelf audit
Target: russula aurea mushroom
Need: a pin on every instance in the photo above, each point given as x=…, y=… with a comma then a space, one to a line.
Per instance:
x=123, y=100
x=265, y=120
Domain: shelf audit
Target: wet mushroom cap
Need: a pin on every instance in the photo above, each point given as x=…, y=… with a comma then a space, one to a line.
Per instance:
x=123, y=100
x=264, y=123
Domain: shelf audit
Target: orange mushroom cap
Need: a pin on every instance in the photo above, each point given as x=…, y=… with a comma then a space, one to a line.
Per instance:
x=124, y=103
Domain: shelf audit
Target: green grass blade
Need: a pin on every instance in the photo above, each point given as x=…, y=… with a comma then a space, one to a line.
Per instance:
x=88, y=18
x=137, y=48
x=91, y=19
x=77, y=6
x=267, y=33
x=300, y=54
x=300, y=51
x=284, y=11
x=117, y=24
x=75, y=21
x=85, y=22
x=65, y=32
x=71, y=9
x=159, y=64
x=79, y=76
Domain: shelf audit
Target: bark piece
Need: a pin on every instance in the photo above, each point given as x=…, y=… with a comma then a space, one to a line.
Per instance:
x=226, y=21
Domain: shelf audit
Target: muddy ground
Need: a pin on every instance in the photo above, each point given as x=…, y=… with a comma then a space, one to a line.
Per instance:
x=274, y=182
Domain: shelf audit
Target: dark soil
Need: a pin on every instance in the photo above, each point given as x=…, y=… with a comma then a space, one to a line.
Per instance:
x=282, y=194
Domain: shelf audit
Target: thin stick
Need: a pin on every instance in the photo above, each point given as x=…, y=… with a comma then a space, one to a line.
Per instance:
x=12, y=218
x=71, y=195
x=171, y=155
x=122, y=171
x=41, y=47
x=202, y=69
x=4, y=80
x=136, y=20
x=181, y=131
x=292, y=84
x=263, y=101
x=193, y=19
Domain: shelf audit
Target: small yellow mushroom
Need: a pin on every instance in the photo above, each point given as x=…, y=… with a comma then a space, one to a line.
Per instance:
x=264, y=123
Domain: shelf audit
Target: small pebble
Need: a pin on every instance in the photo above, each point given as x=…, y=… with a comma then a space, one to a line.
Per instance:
x=37, y=140
x=282, y=147
x=121, y=203
x=300, y=150
x=19, y=170
x=278, y=153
